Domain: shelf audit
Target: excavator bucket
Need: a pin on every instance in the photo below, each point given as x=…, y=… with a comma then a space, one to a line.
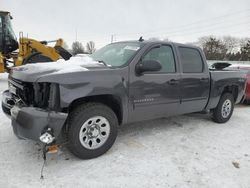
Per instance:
x=63, y=53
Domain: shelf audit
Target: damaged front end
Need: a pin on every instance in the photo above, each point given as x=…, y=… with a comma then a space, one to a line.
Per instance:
x=35, y=110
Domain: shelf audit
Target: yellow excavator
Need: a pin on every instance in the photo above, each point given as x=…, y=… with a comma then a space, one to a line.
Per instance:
x=30, y=50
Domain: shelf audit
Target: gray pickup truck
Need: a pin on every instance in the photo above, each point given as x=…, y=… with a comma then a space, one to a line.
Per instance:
x=131, y=81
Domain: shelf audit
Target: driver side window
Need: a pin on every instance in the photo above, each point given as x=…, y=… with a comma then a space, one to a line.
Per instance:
x=164, y=55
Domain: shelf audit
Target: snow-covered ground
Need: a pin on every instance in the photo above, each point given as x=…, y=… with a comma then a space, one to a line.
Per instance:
x=185, y=151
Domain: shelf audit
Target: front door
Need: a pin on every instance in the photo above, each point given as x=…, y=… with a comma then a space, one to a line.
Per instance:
x=155, y=94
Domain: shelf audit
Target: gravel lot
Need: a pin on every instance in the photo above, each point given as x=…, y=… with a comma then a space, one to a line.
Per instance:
x=185, y=151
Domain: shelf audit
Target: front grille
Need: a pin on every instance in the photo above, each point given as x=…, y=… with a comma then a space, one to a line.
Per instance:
x=32, y=94
x=24, y=90
x=16, y=83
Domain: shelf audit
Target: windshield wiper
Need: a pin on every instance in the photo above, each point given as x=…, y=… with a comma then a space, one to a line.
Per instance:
x=103, y=62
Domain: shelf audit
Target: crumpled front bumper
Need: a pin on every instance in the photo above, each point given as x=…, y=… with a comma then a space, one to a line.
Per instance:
x=8, y=102
x=31, y=122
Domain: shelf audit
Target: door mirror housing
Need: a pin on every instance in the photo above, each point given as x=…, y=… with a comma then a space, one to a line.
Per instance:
x=148, y=66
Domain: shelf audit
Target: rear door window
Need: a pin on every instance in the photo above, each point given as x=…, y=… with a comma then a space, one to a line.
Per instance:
x=191, y=60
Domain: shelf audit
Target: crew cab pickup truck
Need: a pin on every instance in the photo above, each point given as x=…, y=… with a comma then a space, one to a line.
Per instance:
x=124, y=82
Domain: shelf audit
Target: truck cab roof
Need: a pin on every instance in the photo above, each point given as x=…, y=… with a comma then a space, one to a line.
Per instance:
x=152, y=42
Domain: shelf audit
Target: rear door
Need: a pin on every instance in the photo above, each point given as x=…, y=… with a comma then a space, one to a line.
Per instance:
x=155, y=94
x=195, y=79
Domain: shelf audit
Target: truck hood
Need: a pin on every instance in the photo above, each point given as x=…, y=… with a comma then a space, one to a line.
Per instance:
x=32, y=72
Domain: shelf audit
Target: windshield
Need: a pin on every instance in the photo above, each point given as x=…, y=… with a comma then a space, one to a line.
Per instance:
x=11, y=33
x=117, y=54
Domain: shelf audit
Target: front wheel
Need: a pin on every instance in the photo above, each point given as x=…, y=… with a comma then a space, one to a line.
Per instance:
x=92, y=130
x=224, y=110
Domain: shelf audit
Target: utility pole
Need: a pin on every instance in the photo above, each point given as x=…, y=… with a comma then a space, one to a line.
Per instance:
x=112, y=38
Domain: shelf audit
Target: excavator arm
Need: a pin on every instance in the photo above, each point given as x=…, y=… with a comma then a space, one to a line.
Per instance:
x=28, y=47
x=31, y=51
x=2, y=68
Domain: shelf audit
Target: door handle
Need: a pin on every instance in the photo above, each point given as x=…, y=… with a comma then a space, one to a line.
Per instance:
x=173, y=82
x=204, y=79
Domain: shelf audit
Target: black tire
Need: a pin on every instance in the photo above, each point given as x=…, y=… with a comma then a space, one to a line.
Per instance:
x=246, y=101
x=79, y=117
x=217, y=112
x=6, y=110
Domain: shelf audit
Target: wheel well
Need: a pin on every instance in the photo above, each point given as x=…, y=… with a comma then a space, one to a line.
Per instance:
x=233, y=90
x=111, y=101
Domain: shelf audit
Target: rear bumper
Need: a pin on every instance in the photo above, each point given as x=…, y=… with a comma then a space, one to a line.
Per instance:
x=30, y=122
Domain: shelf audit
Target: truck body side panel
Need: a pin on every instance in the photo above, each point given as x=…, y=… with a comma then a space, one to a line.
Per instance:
x=150, y=94
x=222, y=80
x=93, y=83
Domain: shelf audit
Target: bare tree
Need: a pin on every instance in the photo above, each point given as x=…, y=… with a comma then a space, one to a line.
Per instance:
x=90, y=47
x=245, y=52
x=243, y=41
x=202, y=40
x=231, y=43
x=225, y=48
x=77, y=48
x=213, y=48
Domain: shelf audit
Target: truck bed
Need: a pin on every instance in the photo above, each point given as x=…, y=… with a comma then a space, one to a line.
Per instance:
x=220, y=78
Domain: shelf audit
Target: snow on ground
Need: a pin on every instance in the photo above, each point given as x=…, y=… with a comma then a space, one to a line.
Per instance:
x=185, y=151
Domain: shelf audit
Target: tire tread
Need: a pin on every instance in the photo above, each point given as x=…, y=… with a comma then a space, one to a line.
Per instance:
x=216, y=116
x=76, y=115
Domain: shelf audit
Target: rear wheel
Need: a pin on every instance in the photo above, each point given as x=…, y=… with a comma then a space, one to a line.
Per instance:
x=224, y=110
x=92, y=130
x=247, y=101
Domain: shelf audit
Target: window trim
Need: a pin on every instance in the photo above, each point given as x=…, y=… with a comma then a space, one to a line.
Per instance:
x=192, y=48
x=158, y=72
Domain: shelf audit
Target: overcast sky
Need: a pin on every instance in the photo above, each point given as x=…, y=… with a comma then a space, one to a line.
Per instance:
x=179, y=20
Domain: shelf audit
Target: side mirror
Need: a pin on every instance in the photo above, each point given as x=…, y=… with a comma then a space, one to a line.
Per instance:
x=148, y=65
